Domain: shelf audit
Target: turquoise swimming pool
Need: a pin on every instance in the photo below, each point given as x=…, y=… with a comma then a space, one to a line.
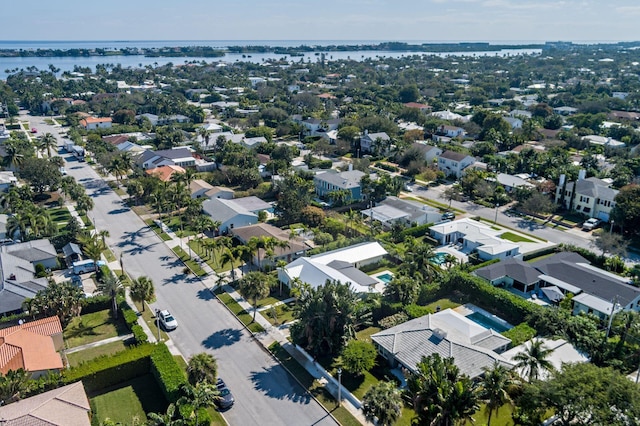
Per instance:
x=487, y=322
x=385, y=278
x=439, y=258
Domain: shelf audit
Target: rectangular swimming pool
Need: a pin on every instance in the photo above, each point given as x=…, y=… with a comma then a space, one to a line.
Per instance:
x=385, y=278
x=439, y=258
x=487, y=322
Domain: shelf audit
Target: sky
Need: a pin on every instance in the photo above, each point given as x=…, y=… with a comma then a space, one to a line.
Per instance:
x=384, y=20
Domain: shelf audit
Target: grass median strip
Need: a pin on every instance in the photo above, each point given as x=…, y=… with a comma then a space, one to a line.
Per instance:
x=244, y=316
x=191, y=264
x=163, y=235
x=310, y=384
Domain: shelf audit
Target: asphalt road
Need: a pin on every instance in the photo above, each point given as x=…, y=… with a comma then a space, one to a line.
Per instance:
x=265, y=393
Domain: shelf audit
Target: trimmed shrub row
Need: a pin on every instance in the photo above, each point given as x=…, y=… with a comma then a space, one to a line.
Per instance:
x=131, y=319
x=110, y=370
x=95, y=304
x=168, y=374
x=520, y=334
x=139, y=334
x=416, y=231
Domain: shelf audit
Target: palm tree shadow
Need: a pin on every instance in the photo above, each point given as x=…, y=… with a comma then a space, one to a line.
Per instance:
x=81, y=330
x=276, y=383
x=219, y=339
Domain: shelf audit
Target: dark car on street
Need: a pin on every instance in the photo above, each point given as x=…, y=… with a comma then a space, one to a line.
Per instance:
x=226, y=399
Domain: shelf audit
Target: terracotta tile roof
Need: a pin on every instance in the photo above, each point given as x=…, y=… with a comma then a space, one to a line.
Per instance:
x=93, y=120
x=326, y=96
x=30, y=346
x=115, y=139
x=164, y=173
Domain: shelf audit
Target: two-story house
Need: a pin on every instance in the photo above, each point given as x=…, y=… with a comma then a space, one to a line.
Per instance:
x=451, y=131
x=92, y=123
x=430, y=152
x=168, y=157
x=453, y=163
x=330, y=181
x=369, y=142
x=592, y=196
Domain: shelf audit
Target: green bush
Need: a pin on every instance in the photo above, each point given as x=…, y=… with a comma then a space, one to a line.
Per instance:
x=110, y=370
x=498, y=301
x=416, y=231
x=325, y=164
x=387, y=167
x=129, y=315
x=483, y=264
x=416, y=311
x=95, y=304
x=393, y=320
x=139, y=335
x=520, y=334
x=539, y=253
x=167, y=372
x=386, y=309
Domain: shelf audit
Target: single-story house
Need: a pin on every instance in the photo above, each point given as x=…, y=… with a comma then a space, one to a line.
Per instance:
x=199, y=189
x=230, y=213
x=451, y=131
x=93, y=123
x=253, y=204
x=32, y=346
x=406, y=212
x=176, y=157
x=296, y=246
x=511, y=182
x=164, y=173
x=604, y=141
x=64, y=406
x=7, y=180
x=337, y=265
x=34, y=251
x=562, y=352
x=473, y=236
x=595, y=291
x=447, y=333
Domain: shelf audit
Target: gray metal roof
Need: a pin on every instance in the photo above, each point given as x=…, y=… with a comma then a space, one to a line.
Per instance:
x=512, y=268
x=71, y=249
x=593, y=187
x=345, y=180
x=252, y=203
x=10, y=301
x=224, y=210
x=454, y=156
x=353, y=273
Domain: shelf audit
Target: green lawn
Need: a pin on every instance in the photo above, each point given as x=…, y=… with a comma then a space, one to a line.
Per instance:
x=284, y=314
x=130, y=399
x=365, y=334
x=191, y=264
x=150, y=319
x=443, y=303
x=151, y=224
x=501, y=418
x=213, y=259
x=60, y=215
x=515, y=238
x=93, y=327
x=246, y=318
x=79, y=357
x=314, y=387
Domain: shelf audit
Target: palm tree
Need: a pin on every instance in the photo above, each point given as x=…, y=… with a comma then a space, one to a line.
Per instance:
x=14, y=384
x=202, y=368
x=202, y=395
x=47, y=143
x=441, y=395
x=281, y=265
x=206, y=136
x=110, y=285
x=229, y=255
x=382, y=404
x=166, y=419
x=142, y=290
x=14, y=156
x=255, y=285
x=494, y=388
x=533, y=360
x=104, y=234
x=92, y=247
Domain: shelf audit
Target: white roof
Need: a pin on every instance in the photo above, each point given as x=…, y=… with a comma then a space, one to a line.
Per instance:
x=352, y=254
x=479, y=233
x=316, y=274
x=563, y=353
x=594, y=302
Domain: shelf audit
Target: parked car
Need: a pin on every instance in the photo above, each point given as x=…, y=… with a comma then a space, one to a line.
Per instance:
x=590, y=224
x=226, y=397
x=167, y=321
x=448, y=216
x=34, y=130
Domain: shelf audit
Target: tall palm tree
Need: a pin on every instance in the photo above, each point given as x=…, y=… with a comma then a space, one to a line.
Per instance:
x=281, y=265
x=14, y=384
x=47, y=143
x=382, y=404
x=255, y=285
x=142, y=290
x=202, y=395
x=494, y=388
x=202, y=368
x=206, y=136
x=229, y=255
x=441, y=395
x=533, y=360
x=110, y=285
x=92, y=247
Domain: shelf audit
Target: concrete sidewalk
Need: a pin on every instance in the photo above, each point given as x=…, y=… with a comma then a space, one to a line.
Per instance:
x=98, y=343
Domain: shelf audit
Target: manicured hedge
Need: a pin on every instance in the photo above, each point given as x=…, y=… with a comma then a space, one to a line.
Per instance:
x=168, y=373
x=509, y=306
x=139, y=334
x=416, y=231
x=416, y=311
x=95, y=304
x=520, y=334
x=110, y=370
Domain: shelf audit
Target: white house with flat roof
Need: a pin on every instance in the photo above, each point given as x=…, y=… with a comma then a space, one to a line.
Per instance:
x=406, y=212
x=562, y=352
x=336, y=265
x=473, y=236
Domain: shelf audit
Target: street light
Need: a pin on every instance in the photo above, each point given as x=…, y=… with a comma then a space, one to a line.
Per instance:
x=158, y=323
x=611, y=228
x=339, y=387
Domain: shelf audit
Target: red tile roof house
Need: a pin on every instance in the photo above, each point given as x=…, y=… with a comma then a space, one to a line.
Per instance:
x=92, y=123
x=32, y=346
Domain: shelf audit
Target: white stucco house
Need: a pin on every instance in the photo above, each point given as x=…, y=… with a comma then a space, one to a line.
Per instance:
x=453, y=163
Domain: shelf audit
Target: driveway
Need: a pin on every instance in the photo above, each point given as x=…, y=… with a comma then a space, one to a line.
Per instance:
x=265, y=393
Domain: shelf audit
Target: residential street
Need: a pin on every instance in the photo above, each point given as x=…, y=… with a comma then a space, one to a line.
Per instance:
x=265, y=393
x=574, y=236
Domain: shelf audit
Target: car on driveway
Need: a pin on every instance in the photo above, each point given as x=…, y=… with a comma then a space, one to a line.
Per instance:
x=226, y=399
x=590, y=224
x=167, y=320
x=448, y=216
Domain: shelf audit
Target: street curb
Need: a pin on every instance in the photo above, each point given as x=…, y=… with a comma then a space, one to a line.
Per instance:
x=265, y=349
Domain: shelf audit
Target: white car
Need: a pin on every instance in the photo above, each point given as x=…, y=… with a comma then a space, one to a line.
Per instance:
x=590, y=224
x=167, y=320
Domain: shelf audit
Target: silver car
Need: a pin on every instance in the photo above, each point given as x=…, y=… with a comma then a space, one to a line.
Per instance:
x=167, y=320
